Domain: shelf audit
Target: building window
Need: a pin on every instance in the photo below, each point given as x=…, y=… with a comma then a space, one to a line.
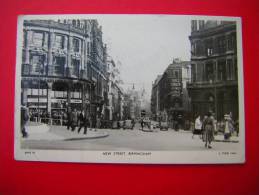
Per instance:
x=59, y=41
x=193, y=72
x=176, y=74
x=222, y=70
x=59, y=63
x=75, y=67
x=209, y=47
x=209, y=73
x=231, y=71
x=88, y=48
x=38, y=39
x=222, y=44
x=231, y=40
x=37, y=62
x=76, y=45
x=74, y=23
x=78, y=23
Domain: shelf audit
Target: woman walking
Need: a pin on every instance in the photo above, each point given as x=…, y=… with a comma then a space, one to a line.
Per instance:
x=208, y=130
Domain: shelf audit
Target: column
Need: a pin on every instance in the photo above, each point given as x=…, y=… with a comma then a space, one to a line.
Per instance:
x=24, y=92
x=83, y=98
x=69, y=95
x=69, y=52
x=45, y=44
x=216, y=70
x=50, y=55
x=27, y=45
x=49, y=92
x=227, y=69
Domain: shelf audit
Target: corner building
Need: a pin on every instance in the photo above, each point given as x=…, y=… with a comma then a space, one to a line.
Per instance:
x=63, y=65
x=214, y=84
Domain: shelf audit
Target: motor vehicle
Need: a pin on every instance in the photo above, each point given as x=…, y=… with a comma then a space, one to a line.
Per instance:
x=164, y=126
x=128, y=124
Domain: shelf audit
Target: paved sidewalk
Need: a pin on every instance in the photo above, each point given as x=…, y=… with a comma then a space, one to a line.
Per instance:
x=62, y=134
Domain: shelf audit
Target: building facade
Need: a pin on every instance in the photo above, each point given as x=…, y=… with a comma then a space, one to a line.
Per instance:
x=114, y=109
x=63, y=66
x=169, y=97
x=214, y=85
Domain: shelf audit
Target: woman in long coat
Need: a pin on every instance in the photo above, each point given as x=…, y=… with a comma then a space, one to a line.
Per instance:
x=209, y=130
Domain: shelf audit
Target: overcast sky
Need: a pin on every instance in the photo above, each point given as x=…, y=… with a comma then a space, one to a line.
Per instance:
x=145, y=45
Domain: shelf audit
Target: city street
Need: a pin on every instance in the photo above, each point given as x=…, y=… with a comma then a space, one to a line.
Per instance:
x=124, y=140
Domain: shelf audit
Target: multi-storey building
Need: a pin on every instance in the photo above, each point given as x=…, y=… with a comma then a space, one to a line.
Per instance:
x=169, y=93
x=63, y=65
x=114, y=109
x=214, y=84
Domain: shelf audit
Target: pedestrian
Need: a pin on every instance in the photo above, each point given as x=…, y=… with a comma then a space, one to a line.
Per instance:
x=227, y=127
x=69, y=118
x=98, y=122
x=24, y=119
x=209, y=129
x=197, y=127
x=142, y=123
x=203, y=128
x=93, y=119
x=82, y=122
x=74, y=120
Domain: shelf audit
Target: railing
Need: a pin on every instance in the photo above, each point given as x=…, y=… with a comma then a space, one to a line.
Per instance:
x=49, y=121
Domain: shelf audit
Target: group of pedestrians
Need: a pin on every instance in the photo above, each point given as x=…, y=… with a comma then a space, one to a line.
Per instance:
x=207, y=127
x=76, y=119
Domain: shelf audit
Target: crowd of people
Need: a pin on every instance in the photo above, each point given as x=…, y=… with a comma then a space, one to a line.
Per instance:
x=207, y=127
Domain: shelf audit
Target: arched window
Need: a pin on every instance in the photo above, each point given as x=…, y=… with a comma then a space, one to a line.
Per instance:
x=74, y=23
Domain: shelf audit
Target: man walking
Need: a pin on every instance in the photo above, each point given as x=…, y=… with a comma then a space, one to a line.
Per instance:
x=82, y=122
x=24, y=119
x=74, y=120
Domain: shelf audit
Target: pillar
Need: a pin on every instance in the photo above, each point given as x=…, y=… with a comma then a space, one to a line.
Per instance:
x=50, y=55
x=24, y=92
x=69, y=95
x=49, y=92
x=69, y=52
x=27, y=45
x=216, y=70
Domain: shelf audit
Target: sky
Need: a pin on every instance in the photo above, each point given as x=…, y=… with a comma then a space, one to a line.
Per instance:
x=144, y=45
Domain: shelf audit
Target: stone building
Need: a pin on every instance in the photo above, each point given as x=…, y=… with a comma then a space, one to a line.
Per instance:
x=114, y=109
x=169, y=92
x=214, y=85
x=63, y=65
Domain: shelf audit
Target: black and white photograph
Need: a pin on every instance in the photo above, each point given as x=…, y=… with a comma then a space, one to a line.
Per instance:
x=114, y=88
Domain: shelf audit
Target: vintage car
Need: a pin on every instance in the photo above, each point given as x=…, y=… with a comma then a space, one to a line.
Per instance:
x=128, y=124
x=164, y=126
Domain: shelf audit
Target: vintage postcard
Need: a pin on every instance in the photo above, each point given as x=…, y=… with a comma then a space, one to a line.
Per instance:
x=154, y=89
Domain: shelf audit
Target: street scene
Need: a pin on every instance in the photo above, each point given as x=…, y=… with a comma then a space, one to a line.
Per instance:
x=133, y=83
